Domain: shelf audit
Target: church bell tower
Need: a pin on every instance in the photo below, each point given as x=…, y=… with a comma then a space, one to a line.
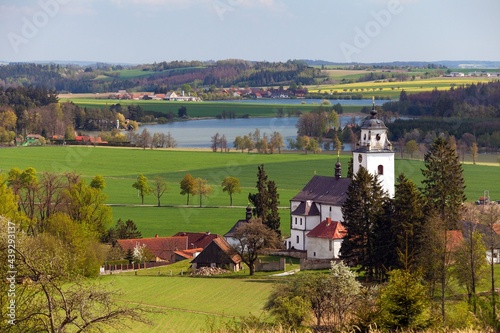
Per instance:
x=374, y=152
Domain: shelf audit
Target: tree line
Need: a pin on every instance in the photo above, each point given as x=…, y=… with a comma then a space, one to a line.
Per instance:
x=170, y=75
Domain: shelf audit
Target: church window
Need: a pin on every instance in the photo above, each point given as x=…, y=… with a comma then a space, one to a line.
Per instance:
x=380, y=169
x=295, y=221
x=301, y=221
x=378, y=137
x=364, y=137
x=298, y=239
x=330, y=248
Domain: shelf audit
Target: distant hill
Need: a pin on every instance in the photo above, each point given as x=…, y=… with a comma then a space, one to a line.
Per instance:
x=446, y=63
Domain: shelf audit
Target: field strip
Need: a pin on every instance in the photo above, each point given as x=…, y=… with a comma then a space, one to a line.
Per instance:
x=179, y=309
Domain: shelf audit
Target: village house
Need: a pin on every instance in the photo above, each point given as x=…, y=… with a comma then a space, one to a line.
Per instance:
x=163, y=248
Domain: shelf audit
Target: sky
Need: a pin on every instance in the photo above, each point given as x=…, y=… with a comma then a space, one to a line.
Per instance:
x=147, y=31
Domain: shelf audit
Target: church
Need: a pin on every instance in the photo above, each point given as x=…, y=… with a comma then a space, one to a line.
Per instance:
x=315, y=212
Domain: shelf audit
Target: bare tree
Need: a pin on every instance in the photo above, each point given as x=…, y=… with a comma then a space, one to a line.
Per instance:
x=159, y=188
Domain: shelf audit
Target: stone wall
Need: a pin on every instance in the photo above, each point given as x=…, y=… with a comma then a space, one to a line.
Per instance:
x=310, y=264
x=261, y=266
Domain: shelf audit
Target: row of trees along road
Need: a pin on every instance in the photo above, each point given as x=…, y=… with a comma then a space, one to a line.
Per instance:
x=189, y=186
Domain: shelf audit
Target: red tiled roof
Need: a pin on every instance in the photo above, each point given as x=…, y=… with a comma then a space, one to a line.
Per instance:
x=160, y=247
x=328, y=229
x=188, y=254
x=198, y=239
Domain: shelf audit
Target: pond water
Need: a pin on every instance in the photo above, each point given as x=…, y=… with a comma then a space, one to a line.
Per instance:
x=198, y=133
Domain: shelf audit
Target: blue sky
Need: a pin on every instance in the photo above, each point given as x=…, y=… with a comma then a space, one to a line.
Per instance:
x=145, y=31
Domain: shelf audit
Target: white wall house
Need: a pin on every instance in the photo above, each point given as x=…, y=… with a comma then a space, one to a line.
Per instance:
x=324, y=241
x=316, y=209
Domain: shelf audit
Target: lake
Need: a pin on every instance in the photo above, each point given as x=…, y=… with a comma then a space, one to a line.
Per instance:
x=198, y=133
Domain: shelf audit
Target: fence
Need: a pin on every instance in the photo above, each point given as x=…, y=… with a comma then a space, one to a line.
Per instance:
x=109, y=269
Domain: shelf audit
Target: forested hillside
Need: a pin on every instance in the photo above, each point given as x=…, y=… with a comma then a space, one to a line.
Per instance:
x=158, y=77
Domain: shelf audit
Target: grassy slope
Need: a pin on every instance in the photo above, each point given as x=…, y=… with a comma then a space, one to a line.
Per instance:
x=120, y=168
x=204, y=109
x=189, y=304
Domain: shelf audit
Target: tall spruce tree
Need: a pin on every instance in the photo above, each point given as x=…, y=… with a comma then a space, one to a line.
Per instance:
x=408, y=221
x=444, y=192
x=266, y=201
x=362, y=210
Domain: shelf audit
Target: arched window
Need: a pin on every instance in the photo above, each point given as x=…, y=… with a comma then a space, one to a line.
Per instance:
x=380, y=169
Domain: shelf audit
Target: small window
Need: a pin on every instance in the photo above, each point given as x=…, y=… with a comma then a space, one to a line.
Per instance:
x=378, y=137
x=364, y=137
x=295, y=220
x=380, y=169
x=301, y=221
x=298, y=239
x=330, y=245
x=314, y=254
x=330, y=208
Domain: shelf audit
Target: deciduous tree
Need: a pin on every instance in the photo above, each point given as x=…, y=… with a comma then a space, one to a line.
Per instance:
x=252, y=239
x=202, y=188
x=159, y=188
x=142, y=186
x=188, y=186
x=231, y=185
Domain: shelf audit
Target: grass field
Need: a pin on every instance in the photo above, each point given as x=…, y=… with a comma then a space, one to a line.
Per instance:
x=290, y=171
x=393, y=89
x=190, y=304
x=204, y=109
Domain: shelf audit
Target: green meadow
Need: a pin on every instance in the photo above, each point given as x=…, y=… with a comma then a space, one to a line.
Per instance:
x=190, y=304
x=290, y=171
x=207, y=108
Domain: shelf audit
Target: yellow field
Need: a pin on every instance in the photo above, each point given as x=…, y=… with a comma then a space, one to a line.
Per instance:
x=392, y=89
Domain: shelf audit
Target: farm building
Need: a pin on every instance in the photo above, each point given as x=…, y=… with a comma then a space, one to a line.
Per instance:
x=163, y=248
x=217, y=254
x=198, y=239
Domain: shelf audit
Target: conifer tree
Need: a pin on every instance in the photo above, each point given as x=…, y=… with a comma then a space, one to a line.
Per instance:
x=408, y=220
x=362, y=210
x=266, y=201
x=444, y=192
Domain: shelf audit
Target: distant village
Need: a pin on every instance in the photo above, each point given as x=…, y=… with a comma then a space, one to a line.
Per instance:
x=236, y=93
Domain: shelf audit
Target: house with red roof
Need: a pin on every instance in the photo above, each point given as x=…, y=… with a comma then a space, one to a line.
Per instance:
x=163, y=248
x=323, y=242
x=198, y=239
